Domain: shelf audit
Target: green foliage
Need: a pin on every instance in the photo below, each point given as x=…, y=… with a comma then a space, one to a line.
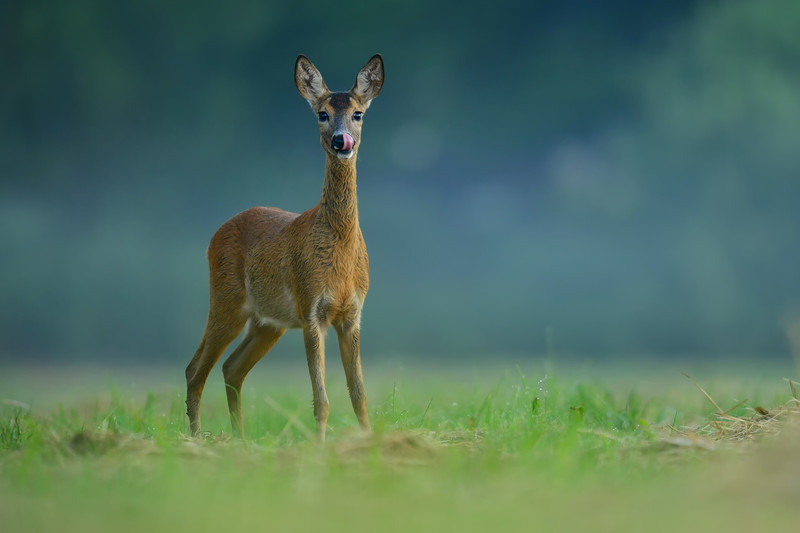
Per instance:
x=15, y=430
x=610, y=178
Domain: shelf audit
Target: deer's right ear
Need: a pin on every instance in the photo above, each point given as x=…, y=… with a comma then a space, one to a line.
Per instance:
x=309, y=81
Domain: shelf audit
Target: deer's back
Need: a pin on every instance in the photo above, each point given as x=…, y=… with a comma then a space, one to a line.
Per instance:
x=279, y=267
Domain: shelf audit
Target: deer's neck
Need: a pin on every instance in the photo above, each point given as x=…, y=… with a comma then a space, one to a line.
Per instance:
x=338, y=207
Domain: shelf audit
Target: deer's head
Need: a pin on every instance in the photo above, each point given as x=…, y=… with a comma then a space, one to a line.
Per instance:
x=339, y=113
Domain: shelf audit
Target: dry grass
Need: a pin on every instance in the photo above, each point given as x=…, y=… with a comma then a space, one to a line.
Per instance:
x=724, y=427
x=394, y=449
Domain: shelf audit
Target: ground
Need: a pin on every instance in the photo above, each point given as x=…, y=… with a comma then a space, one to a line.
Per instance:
x=486, y=447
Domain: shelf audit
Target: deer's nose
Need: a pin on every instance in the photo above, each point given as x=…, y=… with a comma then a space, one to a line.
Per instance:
x=342, y=142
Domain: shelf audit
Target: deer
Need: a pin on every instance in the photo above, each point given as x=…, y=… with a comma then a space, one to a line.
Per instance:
x=271, y=270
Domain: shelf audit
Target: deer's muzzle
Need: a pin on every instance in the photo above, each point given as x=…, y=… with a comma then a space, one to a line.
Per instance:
x=342, y=142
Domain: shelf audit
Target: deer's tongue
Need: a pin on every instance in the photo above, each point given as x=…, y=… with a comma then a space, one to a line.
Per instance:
x=348, y=142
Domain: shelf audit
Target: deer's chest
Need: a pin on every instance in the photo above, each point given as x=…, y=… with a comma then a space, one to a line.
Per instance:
x=340, y=282
x=337, y=309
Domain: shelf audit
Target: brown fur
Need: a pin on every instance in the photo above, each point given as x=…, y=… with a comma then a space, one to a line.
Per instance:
x=272, y=270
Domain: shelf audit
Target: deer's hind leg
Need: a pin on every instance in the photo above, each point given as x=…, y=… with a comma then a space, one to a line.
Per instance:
x=226, y=316
x=221, y=330
x=258, y=340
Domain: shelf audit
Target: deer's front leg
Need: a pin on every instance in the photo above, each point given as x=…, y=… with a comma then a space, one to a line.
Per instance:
x=350, y=349
x=315, y=354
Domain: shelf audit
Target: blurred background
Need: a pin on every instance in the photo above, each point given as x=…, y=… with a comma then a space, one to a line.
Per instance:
x=597, y=179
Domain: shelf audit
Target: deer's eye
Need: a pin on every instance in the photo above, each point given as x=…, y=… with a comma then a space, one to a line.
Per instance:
x=357, y=116
x=323, y=116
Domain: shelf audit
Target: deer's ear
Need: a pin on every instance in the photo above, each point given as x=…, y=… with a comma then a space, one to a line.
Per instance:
x=309, y=81
x=369, y=81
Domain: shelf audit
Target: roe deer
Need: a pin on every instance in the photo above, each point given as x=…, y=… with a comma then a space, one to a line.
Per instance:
x=271, y=270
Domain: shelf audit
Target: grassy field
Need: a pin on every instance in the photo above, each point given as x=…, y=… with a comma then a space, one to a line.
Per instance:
x=500, y=447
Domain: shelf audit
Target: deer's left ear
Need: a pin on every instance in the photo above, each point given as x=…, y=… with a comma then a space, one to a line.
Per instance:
x=369, y=81
x=309, y=81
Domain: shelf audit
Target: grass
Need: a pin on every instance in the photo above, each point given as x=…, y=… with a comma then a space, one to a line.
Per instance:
x=495, y=448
